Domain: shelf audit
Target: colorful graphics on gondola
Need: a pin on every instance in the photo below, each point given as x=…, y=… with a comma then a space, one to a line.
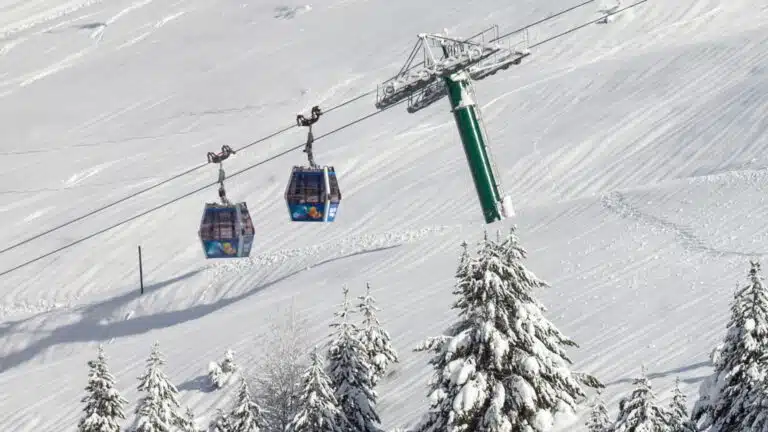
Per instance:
x=220, y=248
x=312, y=212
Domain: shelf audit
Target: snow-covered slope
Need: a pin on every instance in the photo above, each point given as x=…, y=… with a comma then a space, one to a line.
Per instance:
x=635, y=154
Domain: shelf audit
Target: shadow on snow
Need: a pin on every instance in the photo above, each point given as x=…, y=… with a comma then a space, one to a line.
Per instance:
x=91, y=328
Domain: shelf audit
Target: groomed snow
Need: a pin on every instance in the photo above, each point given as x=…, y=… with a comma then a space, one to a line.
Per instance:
x=634, y=152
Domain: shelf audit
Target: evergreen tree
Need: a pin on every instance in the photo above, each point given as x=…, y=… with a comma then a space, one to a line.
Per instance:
x=220, y=373
x=375, y=339
x=502, y=366
x=465, y=260
x=318, y=407
x=220, y=423
x=679, y=420
x=756, y=419
x=639, y=412
x=103, y=403
x=735, y=388
x=246, y=416
x=350, y=373
x=228, y=365
x=216, y=377
x=156, y=412
x=187, y=424
x=598, y=418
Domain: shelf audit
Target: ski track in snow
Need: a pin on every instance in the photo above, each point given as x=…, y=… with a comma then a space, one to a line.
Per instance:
x=98, y=33
x=47, y=16
x=38, y=213
x=83, y=175
x=7, y=47
x=617, y=203
x=309, y=257
x=76, y=58
x=156, y=26
x=67, y=62
x=332, y=250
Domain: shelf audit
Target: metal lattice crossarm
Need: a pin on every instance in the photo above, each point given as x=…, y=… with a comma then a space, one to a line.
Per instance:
x=480, y=55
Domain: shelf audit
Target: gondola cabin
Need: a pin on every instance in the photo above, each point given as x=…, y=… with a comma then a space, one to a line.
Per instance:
x=313, y=194
x=226, y=231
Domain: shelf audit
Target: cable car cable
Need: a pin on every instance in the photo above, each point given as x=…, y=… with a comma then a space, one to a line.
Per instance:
x=271, y=157
x=167, y=203
x=541, y=21
x=168, y=180
x=571, y=30
x=193, y=169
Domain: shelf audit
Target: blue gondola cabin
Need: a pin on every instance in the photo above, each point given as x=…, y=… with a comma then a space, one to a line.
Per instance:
x=226, y=231
x=313, y=194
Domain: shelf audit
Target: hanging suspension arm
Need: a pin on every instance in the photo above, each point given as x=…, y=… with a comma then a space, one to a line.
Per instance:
x=308, y=148
x=308, y=122
x=219, y=158
x=222, y=191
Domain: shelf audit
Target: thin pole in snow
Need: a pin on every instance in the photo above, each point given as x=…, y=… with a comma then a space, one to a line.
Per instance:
x=141, y=272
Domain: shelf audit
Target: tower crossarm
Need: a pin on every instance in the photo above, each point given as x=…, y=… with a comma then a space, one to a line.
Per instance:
x=441, y=55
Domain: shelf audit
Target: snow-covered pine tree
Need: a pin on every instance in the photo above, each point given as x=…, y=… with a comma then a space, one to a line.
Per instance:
x=728, y=395
x=187, y=423
x=502, y=366
x=598, y=418
x=220, y=423
x=318, y=407
x=216, y=377
x=157, y=411
x=228, y=365
x=350, y=373
x=464, y=270
x=220, y=373
x=246, y=416
x=679, y=420
x=103, y=403
x=756, y=419
x=639, y=412
x=376, y=340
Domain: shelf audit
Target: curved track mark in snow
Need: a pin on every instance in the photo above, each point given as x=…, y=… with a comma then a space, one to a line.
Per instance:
x=336, y=250
x=9, y=46
x=98, y=33
x=79, y=177
x=67, y=62
x=38, y=213
x=616, y=203
x=42, y=18
x=156, y=26
x=333, y=90
x=130, y=8
x=28, y=308
x=63, y=64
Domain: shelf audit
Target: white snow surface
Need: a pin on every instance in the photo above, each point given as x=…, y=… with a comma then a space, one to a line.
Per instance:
x=634, y=153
